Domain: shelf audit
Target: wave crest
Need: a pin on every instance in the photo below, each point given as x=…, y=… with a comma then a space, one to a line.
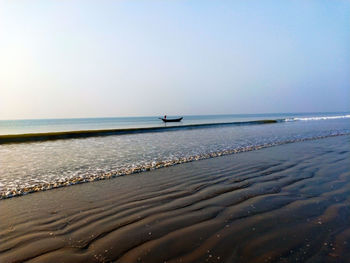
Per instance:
x=318, y=118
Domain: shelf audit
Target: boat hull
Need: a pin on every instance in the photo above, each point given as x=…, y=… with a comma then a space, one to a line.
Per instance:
x=171, y=120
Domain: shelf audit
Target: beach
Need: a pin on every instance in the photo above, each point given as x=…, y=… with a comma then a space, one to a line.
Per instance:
x=174, y=131
x=287, y=203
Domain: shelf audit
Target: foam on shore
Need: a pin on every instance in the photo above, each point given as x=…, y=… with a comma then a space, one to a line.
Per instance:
x=8, y=193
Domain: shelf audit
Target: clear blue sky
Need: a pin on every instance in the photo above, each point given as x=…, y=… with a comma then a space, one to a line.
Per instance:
x=136, y=58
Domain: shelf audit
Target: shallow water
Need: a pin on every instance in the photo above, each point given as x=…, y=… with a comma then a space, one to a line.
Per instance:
x=289, y=203
x=27, y=167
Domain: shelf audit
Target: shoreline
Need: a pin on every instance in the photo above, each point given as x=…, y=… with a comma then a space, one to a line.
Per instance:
x=274, y=204
x=148, y=167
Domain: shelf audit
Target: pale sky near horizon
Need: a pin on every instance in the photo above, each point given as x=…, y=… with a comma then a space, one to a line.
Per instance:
x=68, y=59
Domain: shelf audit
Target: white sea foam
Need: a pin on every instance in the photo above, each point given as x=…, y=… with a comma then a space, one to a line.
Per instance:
x=46, y=185
x=317, y=118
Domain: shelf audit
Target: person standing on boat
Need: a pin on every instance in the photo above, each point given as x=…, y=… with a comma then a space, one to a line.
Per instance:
x=164, y=116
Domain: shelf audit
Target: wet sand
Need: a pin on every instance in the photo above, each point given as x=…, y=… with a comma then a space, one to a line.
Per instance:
x=289, y=203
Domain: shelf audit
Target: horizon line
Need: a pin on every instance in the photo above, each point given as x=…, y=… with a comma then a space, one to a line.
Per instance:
x=145, y=116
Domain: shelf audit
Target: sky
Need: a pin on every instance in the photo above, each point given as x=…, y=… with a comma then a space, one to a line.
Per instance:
x=109, y=58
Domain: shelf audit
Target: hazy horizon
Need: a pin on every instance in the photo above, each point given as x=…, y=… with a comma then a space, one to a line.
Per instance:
x=87, y=59
x=188, y=115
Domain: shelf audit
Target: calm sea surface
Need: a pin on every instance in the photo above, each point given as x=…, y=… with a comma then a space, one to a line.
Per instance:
x=54, y=125
x=35, y=166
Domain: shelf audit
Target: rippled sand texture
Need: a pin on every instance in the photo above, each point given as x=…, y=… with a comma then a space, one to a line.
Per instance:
x=289, y=203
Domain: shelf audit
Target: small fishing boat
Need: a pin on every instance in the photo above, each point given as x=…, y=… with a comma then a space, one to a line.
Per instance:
x=171, y=120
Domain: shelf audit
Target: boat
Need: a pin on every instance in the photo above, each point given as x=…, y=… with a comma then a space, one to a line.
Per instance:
x=171, y=120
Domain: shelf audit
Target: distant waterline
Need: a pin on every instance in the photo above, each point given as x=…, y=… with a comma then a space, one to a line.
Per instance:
x=9, y=127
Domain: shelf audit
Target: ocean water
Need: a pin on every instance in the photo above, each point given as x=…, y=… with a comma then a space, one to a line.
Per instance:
x=58, y=125
x=35, y=166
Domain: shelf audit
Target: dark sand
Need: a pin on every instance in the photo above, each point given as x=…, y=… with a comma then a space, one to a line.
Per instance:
x=289, y=203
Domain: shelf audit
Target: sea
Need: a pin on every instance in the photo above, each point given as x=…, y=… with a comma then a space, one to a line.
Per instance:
x=32, y=166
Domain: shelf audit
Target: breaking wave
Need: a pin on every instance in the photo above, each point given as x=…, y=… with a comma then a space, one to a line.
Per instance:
x=318, y=118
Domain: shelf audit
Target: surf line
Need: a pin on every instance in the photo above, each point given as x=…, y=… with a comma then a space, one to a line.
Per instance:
x=33, y=137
